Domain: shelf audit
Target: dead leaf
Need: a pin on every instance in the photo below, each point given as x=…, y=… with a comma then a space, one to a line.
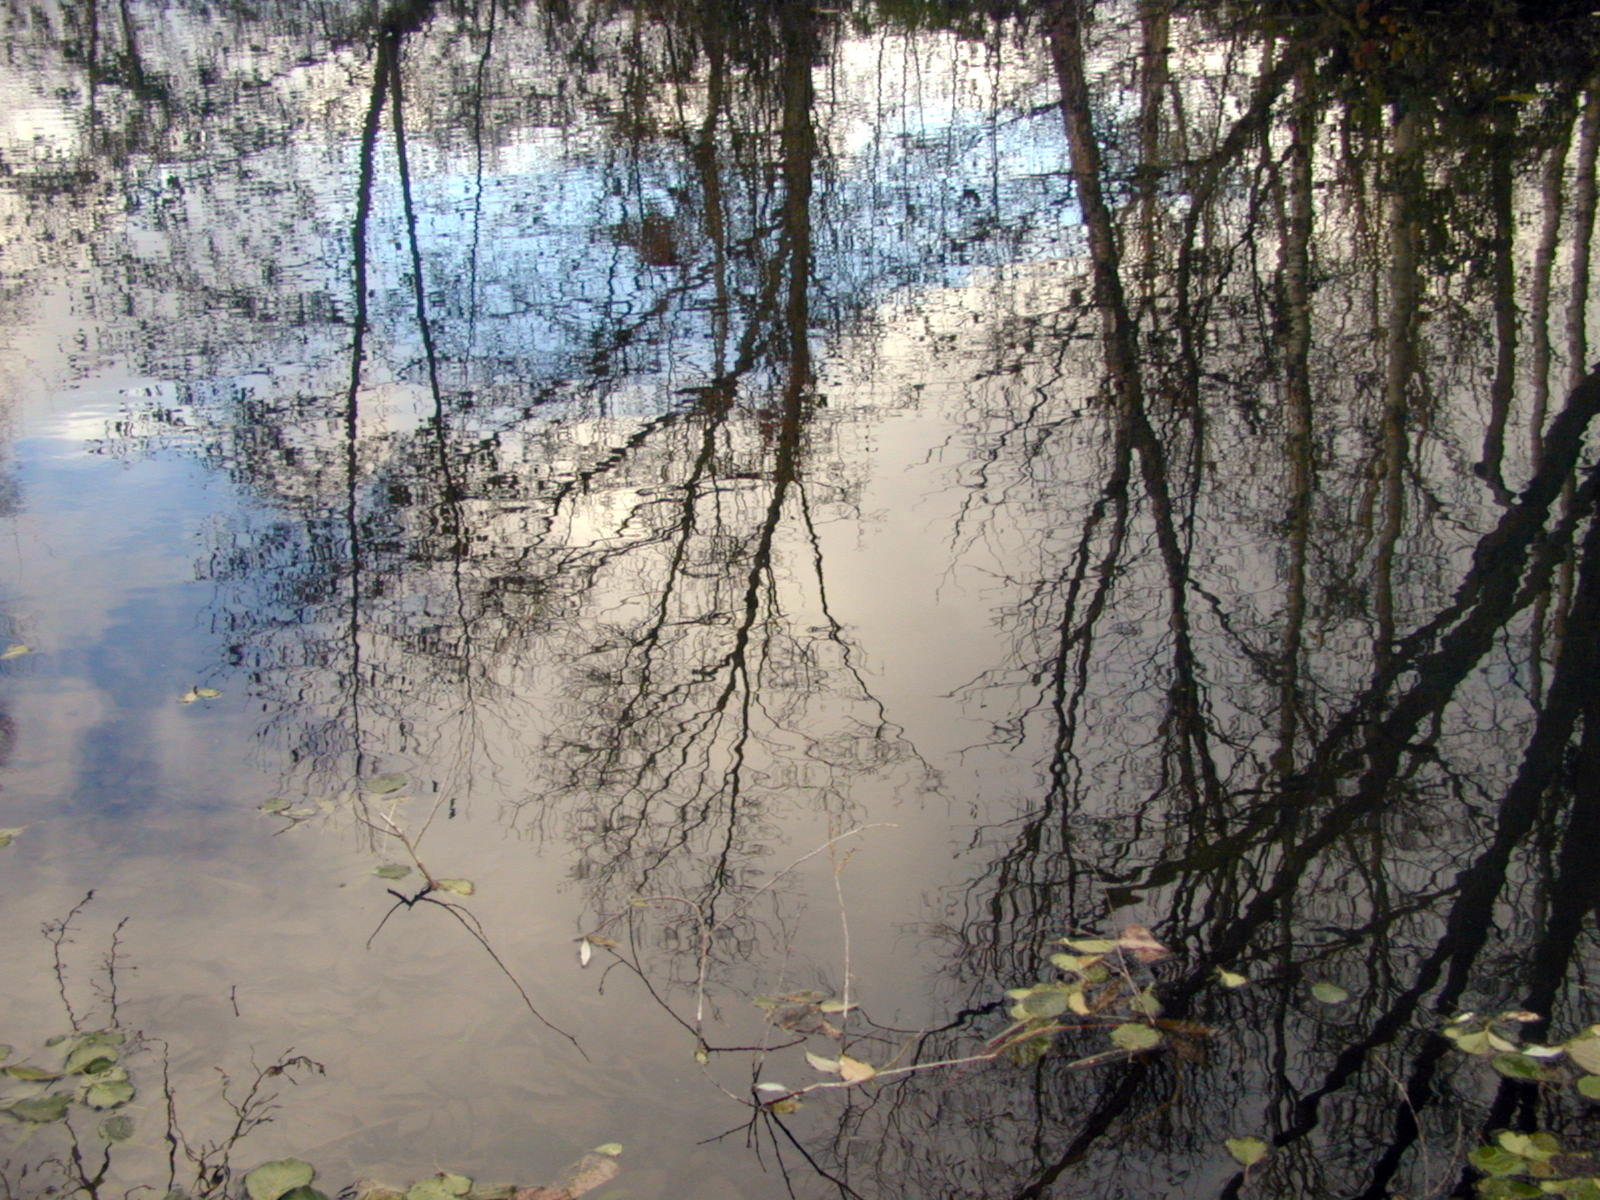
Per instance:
x=853, y=1070
x=1141, y=943
x=588, y=1173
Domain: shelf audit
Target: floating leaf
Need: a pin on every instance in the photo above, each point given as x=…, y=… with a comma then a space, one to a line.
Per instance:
x=41, y=1109
x=1045, y=1002
x=93, y=1053
x=1073, y=962
x=189, y=697
x=1519, y=1066
x=7, y=836
x=588, y=1173
x=1589, y=1086
x=304, y=1193
x=1535, y=1147
x=1246, y=1151
x=585, y=951
x=832, y=1007
x=785, y=1106
x=828, y=1066
x=1231, y=979
x=31, y=1074
x=108, y=1094
x=276, y=805
x=1089, y=945
x=1585, y=1051
x=1496, y=1160
x=15, y=650
x=1141, y=943
x=1476, y=1042
x=391, y=871
x=1136, y=1037
x=611, y=1148
x=443, y=1186
x=853, y=1070
x=272, y=1180
x=207, y=693
x=382, y=785
x=1510, y=1189
x=771, y=1088
x=1145, y=1002
x=1329, y=993
x=700, y=1055
x=461, y=887
x=5, y=1052
x=1534, y=1050
x=117, y=1129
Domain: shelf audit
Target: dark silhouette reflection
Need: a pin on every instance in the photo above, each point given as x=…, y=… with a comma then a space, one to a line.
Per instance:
x=1297, y=681
x=1261, y=333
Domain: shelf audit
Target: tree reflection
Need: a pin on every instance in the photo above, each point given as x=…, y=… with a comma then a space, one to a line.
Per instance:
x=1279, y=450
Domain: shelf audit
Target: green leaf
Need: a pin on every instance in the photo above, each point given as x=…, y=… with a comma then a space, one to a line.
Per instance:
x=1028, y=1051
x=1495, y=1160
x=831, y=1007
x=274, y=1180
x=1472, y=1043
x=461, y=887
x=5, y=1052
x=1329, y=993
x=1045, y=1003
x=93, y=1053
x=1589, y=1086
x=382, y=785
x=1136, y=1037
x=117, y=1129
x=304, y=1193
x=1535, y=1147
x=391, y=871
x=108, y=1094
x=30, y=1074
x=7, y=836
x=207, y=693
x=1231, y=979
x=1246, y=1151
x=1585, y=1051
x=828, y=1066
x=41, y=1110
x=611, y=1148
x=443, y=1186
x=1144, y=1001
x=1089, y=945
x=1519, y=1066
x=1076, y=963
x=276, y=805
x=1509, y=1189
x=15, y=650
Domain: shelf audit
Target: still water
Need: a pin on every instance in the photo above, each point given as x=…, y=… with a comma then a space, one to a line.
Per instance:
x=562, y=557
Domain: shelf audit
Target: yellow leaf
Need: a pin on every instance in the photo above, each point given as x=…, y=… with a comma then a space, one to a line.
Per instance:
x=853, y=1070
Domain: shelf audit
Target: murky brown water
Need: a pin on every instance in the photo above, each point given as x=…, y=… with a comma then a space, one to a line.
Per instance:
x=820, y=503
